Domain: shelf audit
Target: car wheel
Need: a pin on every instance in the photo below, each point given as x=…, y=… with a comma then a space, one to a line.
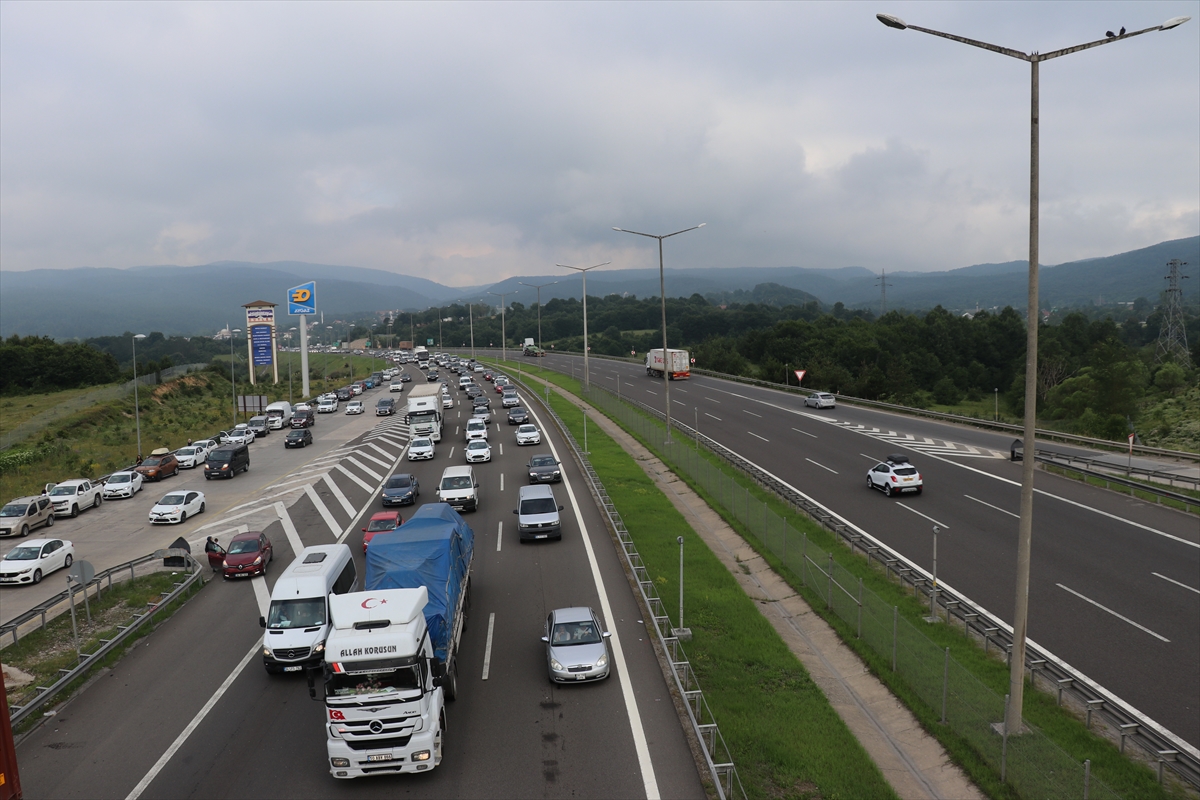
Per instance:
x=208, y=477
x=202, y=508
x=870, y=483
x=37, y=576
x=69, y=561
x=887, y=489
x=50, y=521
x=919, y=490
x=25, y=530
x=96, y=502
x=74, y=511
x=182, y=517
x=451, y=684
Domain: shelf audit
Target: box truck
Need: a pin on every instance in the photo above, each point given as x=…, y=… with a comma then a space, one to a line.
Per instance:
x=424, y=413
x=677, y=364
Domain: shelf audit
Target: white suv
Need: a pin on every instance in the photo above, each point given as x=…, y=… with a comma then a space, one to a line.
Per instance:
x=69, y=497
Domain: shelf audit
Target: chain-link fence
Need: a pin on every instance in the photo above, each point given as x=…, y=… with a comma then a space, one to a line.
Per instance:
x=1031, y=763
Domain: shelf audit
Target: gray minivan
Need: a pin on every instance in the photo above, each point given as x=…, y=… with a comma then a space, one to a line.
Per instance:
x=537, y=513
x=226, y=461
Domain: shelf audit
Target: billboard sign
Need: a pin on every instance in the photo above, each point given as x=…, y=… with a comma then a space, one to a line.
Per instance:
x=260, y=345
x=302, y=299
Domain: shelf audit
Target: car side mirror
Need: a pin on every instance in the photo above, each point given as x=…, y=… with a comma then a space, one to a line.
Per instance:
x=546, y=639
x=560, y=508
x=262, y=622
x=364, y=530
x=606, y=634
x=514, y=511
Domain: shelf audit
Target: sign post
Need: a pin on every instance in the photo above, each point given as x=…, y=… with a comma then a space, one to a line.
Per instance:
x=302, y=301
x=260, y=338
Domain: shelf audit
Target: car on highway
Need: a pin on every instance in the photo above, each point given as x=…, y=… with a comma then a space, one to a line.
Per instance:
x=474, y=390
x=895, y=476
x=19, y=517
x=356, y=389
x=33, y=560
x=432, y=377
x=447, y=401
x=517, y=416
x=487, y=376
x=344, y=394
x=528, y=434
x=301, y=407
x=177, y=507
x=69, y=497
x=576, y=649
x=478, y=450
x=483, y=401
x=396, y=385
x=126, y=483
x=248, y=554
x=260, y=426
x=478, y=368
x=159, y=464
x=298, y=437
x=385, y=407
x=544, y=468
x=191, y=456
x=241, y=435
x=304, y=418
x=820, y=400
x=510, y=399
x=401, y=489
x=405, y=377
x=327, y=405
x=420, y=449
x=381, y=522
x=355, y=407
x=476, y=429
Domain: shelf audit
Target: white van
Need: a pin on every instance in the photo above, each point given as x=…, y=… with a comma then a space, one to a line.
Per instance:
x=459, y=489
x=537, y=513
x=477, y=429
x=297, y=621
x=279, y=415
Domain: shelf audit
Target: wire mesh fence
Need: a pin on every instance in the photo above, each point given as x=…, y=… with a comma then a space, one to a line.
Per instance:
x=1031, y=763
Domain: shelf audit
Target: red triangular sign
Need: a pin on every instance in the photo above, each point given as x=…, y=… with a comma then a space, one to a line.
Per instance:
x=800, y=374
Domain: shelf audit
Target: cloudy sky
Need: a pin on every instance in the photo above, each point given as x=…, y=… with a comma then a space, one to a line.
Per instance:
x=471, y=141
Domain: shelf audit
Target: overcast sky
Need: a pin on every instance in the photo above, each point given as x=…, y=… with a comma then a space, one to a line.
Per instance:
x=466, y=142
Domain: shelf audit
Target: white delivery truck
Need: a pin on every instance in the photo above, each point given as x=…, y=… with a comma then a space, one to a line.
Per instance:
x=422, y=357
x=279, y=415
x=677, y=364
x=424, y=412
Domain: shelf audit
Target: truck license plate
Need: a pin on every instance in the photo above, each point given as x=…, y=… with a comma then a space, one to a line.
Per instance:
x=380, y=757
x=296, y=668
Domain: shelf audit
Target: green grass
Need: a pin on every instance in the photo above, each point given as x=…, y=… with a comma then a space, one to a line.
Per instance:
x=15, y=410
x=1149, y=497
x=1123, y=775
x=787, y=741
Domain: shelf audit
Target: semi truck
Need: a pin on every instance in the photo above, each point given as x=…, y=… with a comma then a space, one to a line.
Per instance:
x=424, y=413
x=677, y=364
x=422, y=357
x=391, y=658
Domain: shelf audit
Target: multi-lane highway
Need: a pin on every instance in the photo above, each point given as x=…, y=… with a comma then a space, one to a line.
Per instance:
x=1115, y=584
x=190, y=712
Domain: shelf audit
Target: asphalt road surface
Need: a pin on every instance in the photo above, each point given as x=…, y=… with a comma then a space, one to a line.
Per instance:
x=191, y=712
x=1115, y=581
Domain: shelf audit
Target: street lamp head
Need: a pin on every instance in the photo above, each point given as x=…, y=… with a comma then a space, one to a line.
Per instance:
x=892, y=21
x=1174, y=22
x=622, y=230
x=139, y=336
x=702, y=224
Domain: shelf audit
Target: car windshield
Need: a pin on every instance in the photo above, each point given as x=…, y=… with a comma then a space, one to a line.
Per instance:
x=568, y=633
x=527, y=429
x=25, y=553
x=303, y=613
x=478, y=444
x=347, y=684
x=186, y=451
x=542, y=461
x=421, y=443
x=381, y=525
x=399, y=482
x=905, y=470
x=151, y=462
x=220, y=455
x=539, y=505
x=456, y=482
x=243, y=546
x=62, y=491
x=299, y=434
x=172, y=500
x=14, y=510
x=120, y=477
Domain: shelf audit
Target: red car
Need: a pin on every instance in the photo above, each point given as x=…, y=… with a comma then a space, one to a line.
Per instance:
x=248, y=554
x=382, y=522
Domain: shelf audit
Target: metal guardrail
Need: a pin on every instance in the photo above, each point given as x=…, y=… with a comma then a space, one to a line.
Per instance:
x=1051, y=458
x=88, y=660
x=1150, y=474
x=717, y=757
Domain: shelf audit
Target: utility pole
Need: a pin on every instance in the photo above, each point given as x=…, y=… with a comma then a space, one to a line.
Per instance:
x=1172, y=337
x=883, y=284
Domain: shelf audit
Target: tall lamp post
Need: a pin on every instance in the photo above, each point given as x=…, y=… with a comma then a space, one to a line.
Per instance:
x=289, y=338
x=232, y=375
x=471, y=317
x=539, y=294
x=1013, y=714
x=662, y=291
x=587, y=375
x=137, y=414
x=439, y=327
x=503, y=330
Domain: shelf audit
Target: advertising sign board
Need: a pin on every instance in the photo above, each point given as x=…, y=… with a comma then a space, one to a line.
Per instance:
x=260, y=345
x=302, y=299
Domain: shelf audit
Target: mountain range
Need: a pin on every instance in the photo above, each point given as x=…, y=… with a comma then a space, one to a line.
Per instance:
x=88, y=301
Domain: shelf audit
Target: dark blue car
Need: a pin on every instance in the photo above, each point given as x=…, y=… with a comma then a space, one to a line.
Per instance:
x=400, y=490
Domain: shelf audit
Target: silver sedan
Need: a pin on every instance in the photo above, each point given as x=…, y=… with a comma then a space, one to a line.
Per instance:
x=576, y=650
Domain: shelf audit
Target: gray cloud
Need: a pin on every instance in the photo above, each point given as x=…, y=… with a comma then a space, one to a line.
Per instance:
x=468, y=142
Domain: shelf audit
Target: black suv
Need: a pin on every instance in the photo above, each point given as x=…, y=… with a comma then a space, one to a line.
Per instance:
x=517, y=416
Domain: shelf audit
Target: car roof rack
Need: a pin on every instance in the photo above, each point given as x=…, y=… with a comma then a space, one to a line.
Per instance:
x=898, y=458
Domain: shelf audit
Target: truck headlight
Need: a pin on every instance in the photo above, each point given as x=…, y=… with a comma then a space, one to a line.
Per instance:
x=266, y=652
x=319, y=648
x=340, y=762
x=420, y=755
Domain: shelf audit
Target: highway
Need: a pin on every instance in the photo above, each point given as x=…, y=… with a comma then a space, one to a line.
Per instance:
x=190, y=711
x=1115, y=581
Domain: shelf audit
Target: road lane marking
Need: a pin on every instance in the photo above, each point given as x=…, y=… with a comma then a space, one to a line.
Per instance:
x=289, y=528
x=989, y=505
x=499, y=535
x=682, y=390
x=334, y=528
x=363, y=484
x=380, y=450
x=372, y=458
x=451, y=453
x=751, y=413
x=364, y=468
x=149, y=777
x=941, y=525
x=502, y=479
x=337, y=492
x=652, y=392
x=806, y=433
x=261, y=594
x=718, y=419
x=756, y=436
x=487, y=650
x=501, y=452
x=822, y=466
x=680, y=402
x=1177, y=583
x=718, y=402
x=1114, y=613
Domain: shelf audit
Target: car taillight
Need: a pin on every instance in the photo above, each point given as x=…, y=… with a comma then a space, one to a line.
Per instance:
x=894, y=479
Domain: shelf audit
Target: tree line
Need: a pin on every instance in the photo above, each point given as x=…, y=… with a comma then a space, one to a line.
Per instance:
x=35, y=364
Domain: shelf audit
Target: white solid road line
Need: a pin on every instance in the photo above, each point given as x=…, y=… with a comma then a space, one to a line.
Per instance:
x=1115, y=614
x=261, y=593
x=941, y=525
x=487, y=650
x=718, y=419
x=648, y=391
x=364, y=468
x=1177, y=583
x=806, y=433
x=370, y=457
x=334, y=528
x=191, y=727
x=451, y=453
x=822, y=466
x=756, y=436
x=293, y=535
x=337, y=492
x=499, y=535
x=641, y=747
x=989, y=505
x=718, y=402
x=502, y=479
x=361, y=483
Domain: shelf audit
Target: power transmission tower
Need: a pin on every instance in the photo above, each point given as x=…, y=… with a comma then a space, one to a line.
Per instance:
x=1172, y=337
x=883, y=284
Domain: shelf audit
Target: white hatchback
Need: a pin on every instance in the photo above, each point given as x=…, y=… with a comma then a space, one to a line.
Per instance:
x=820, y=400
x=420, y=449
x=478, y=450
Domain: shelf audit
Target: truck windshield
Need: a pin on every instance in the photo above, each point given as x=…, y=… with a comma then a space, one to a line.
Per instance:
x=401, y=679
x=303, y=613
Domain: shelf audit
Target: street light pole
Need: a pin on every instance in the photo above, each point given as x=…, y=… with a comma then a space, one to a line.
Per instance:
x=587, y=373
x=471, y=316
x=503, y=330
x=539, y=302
x=232, y=375
x=662, y=291
x=1013, y=713
x=137, y=414
x=440, y=328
